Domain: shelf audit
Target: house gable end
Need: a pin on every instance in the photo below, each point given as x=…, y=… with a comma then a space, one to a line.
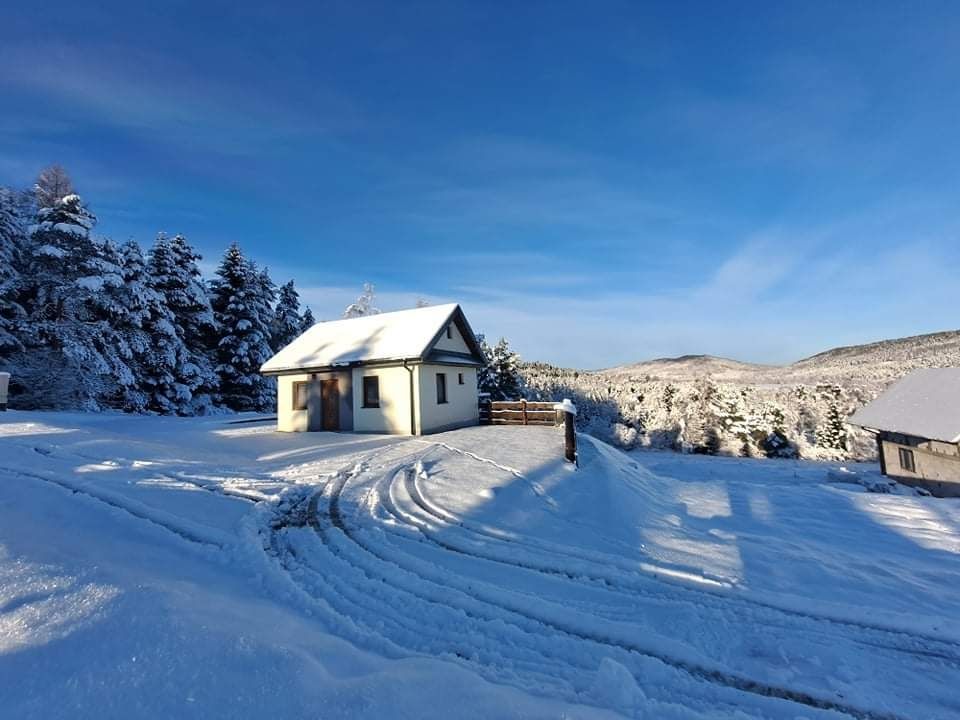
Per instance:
x=463, y=342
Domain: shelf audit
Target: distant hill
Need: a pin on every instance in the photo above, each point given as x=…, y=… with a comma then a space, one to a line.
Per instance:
x=702, y=403
x=877, y=362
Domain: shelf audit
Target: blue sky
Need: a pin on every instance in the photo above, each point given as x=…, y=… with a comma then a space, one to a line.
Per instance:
x=599, y=182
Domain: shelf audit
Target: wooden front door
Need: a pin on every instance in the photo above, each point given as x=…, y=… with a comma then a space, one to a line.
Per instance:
x=330, y=395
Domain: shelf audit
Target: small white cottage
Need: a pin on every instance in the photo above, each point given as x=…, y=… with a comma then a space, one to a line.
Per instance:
x=410, y=372
x=916, y=422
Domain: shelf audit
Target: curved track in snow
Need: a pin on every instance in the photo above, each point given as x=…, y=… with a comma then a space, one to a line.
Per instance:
x=373, y=549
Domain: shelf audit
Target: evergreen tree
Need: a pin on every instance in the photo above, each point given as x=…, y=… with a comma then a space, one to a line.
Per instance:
x=833, y=434
x=264, y=299
x=12, y=241
x=72, y=358
x=183, y=376
x=364, y=305
x=287, y=322
x=500, y=377
x=307, y=321
x=243, y=330
x=486, y=382
x=129, y=318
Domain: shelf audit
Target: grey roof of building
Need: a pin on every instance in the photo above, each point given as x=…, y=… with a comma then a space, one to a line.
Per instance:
x=925, y=403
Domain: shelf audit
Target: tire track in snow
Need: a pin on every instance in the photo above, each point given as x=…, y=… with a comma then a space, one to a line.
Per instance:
x=712, y=675
x=919, y=643
x=915, y=645
x=387, y=601
x=159, y=518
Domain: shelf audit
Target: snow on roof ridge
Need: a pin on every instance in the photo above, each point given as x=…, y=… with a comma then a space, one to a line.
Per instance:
x=923, y=403
x=395, y=335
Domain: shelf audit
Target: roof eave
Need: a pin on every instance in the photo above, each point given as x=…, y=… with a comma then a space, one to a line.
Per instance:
x=297, y=369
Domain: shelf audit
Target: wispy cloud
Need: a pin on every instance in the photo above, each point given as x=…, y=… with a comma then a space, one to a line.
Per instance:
x=157, y=95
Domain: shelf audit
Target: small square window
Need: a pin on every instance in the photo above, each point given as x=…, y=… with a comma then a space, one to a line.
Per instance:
x=441, y=388
x=371, y=391
x=300, y=392
x=459, y=378
x=906, y=460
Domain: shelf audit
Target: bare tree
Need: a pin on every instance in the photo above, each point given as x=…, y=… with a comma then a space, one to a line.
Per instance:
x=53, y=184
x=364, y=304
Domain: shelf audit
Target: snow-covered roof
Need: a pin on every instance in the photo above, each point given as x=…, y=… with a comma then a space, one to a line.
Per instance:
x=401, y=335
x=925, y=403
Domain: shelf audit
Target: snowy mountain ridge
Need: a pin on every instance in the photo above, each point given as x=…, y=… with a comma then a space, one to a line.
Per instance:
x=940, y=349
x=713, y=405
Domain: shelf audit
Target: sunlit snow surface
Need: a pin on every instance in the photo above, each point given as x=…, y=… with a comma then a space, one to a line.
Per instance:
x=164, y=567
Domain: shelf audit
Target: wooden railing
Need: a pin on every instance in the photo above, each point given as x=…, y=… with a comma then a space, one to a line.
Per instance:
x=518, y=412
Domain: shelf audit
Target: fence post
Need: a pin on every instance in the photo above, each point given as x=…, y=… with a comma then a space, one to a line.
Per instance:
x=569, y=411
x=4, y=382
x=523, y=409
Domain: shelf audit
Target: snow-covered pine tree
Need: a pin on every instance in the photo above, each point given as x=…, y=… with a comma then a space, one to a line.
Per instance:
x=833, y=433
x=129, y=309
x=12, y=242
x=486, y=381
x=72, y=359
x=117, y=310
x=364, y=304
x=287, y=322
x=184, y=378
x=503, y=369
x=265, y=299
x=243, y=330
x=307, y=321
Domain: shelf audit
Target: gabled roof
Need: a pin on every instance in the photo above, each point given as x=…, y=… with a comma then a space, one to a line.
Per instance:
x=393, y=336
x=925, y=403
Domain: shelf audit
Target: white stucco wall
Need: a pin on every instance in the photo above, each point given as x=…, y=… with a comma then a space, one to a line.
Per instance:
x=453, y=344
x=288, y=419
x=461, y=407
x=393, y=415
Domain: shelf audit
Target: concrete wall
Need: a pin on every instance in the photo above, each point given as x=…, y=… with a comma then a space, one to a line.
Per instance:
x=936, y=466
x=461, y=407
x=453, y=344
x=290, y=420
x=393, y=415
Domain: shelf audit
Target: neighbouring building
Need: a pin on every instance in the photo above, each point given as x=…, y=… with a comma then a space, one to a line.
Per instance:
x=410, y=372
x=916, y=422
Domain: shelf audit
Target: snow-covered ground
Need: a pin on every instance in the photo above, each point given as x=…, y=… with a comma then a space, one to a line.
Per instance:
x=165, y=567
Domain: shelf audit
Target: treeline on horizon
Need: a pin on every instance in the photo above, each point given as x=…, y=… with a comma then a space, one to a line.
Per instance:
x=90, y=324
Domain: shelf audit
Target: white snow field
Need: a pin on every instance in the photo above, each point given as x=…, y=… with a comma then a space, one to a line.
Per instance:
x=169, y=567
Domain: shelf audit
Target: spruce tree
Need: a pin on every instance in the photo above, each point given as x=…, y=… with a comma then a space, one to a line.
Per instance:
x=307, y=321
x=500, y=377
x=184, y=376
x=243, y=334
x=131, y=311
x=486, y=382
x=287, y=322
x=72, y=358
x=833, y=434
x=12, y=242
x=264, y=299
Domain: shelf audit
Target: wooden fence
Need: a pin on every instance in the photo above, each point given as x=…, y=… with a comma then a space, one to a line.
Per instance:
x=518, y=412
